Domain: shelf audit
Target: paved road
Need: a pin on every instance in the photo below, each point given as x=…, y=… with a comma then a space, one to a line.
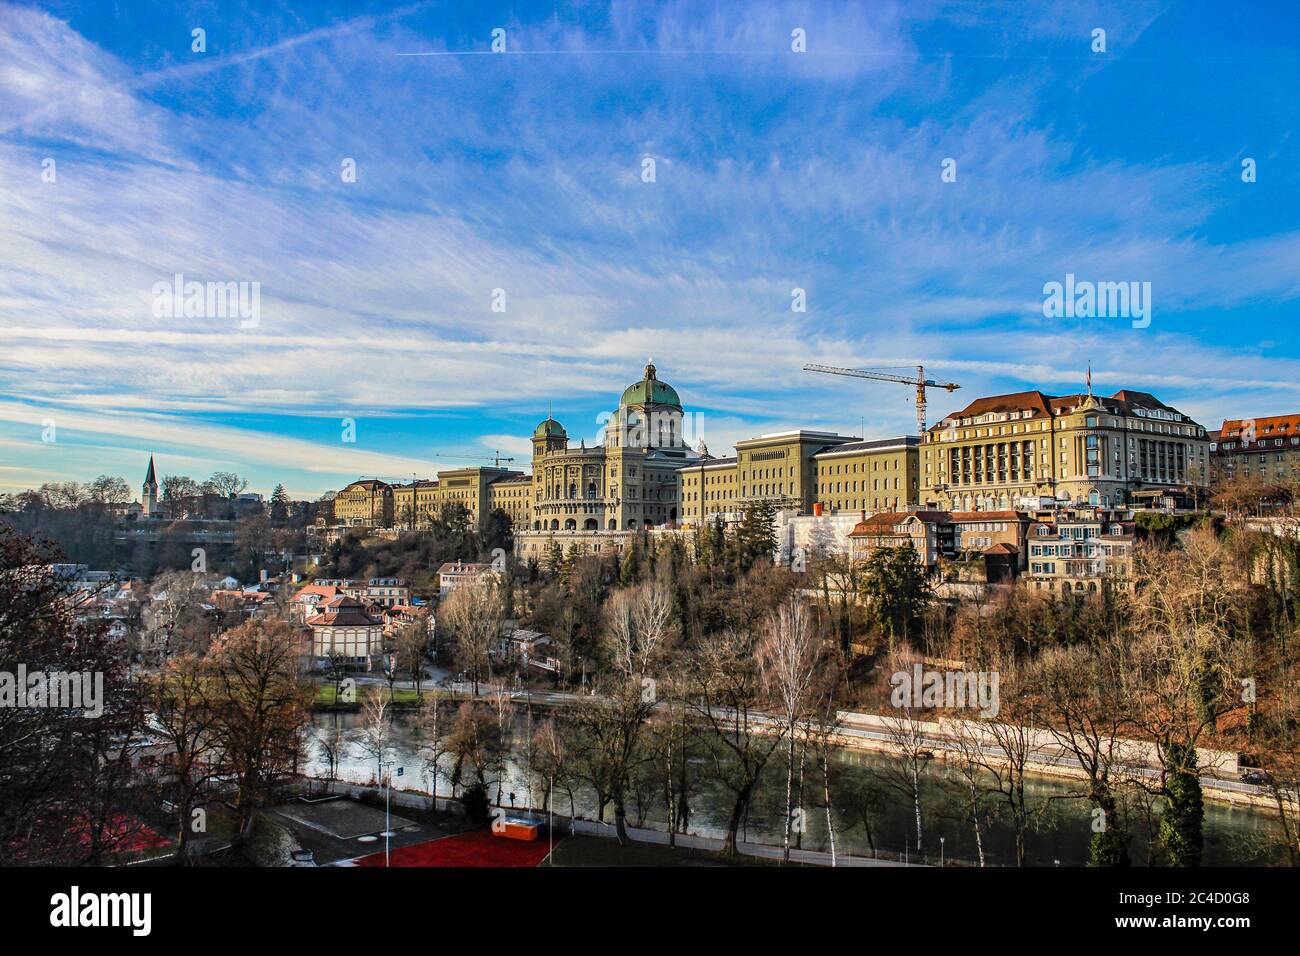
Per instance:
x=815, y=857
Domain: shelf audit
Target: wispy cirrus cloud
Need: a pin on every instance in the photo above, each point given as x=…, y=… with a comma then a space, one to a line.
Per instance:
x=524, y=174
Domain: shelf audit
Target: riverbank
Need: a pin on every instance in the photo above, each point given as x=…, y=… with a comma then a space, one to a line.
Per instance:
x=563, y=825
x=875, y=732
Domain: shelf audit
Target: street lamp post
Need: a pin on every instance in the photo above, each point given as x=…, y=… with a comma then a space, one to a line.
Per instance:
x=941, y=839
x=388, y=814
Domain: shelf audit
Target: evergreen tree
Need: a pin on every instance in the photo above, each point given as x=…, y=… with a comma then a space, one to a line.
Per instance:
x=897, y=590
x=571, y=559
x=1109, y=846
x=718, y=542
x=756, y=536
x=1184, y=812
x=279, y=504
x=498, y=532
x=629, y=573
x=554, y=558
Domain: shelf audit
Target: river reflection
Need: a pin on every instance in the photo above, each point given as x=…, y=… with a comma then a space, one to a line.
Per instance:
x=870, y=816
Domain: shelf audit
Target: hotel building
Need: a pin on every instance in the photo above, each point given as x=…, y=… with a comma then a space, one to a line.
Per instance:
x=1011, y=451
x=1256, y=449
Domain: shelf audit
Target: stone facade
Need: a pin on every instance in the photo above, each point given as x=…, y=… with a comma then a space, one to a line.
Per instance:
x=1002, y=451
x=1256, y=449
x=801, y=470
x=629, y=482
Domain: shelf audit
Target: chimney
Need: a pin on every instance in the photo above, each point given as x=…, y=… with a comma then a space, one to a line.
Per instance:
x=262, y=575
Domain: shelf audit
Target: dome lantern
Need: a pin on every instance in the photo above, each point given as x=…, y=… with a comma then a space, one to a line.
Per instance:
x=650, y=391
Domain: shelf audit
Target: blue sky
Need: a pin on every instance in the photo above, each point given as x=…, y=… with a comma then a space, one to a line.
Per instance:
x=523, y=172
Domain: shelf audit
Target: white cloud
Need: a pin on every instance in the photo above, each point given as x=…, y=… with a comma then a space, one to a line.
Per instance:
x=523, y=176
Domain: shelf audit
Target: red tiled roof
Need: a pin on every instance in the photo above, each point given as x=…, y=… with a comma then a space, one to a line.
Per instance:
x=368, y=483
x=1126, y=398
x=887, y=519
x=1272, y=425
x=343, y=612
x=959, y=516
x=1013, y=402
x=452, y=567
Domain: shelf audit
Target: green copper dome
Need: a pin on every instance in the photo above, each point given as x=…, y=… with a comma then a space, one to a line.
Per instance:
x=550, y=429
x=649, y=390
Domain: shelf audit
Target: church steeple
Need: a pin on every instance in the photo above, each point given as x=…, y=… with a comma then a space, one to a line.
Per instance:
x=149, y=491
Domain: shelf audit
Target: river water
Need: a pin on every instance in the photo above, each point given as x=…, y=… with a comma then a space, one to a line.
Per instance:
x=871, y=814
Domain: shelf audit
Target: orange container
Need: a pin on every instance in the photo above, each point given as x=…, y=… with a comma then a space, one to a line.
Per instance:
x=513, y=829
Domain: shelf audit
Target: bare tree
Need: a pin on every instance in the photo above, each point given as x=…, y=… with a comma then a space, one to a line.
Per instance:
x=552, y=760
x=503, y=712
x=262, y=709
x=668, y=732
x=412, y=645
x=336, y=669
x=330, y=747
x=1002, y=750
x=821, y=728
x=1184, y=665
x=109, y=490
x=173, y=617
x=611, y=722
x=473, y=742
x=183, y=717
x=431, y=731
x=474, y=613
x=1280, y=761
x=227, y=483
x=376, y=731
x=907, y=734
x=790, y=653
x=726, y=690
x=1082, y=690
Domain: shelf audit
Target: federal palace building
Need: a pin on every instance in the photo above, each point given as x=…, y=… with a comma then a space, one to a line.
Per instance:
x=998, y=453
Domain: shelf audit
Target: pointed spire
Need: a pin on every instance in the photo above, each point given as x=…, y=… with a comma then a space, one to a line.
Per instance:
x=149, y=478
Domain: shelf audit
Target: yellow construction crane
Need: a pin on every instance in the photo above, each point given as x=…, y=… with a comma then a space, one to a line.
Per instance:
x=881, y=375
